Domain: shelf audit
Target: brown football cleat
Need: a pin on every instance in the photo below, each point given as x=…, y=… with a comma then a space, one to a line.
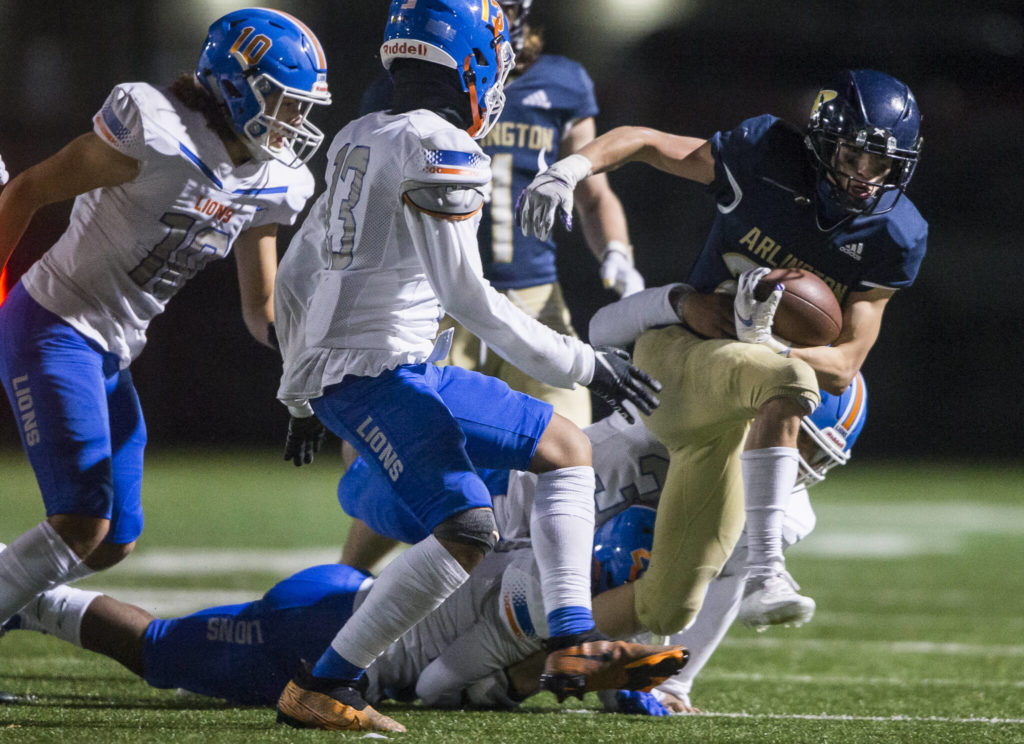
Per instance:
x=331, y=705
x=609, y=665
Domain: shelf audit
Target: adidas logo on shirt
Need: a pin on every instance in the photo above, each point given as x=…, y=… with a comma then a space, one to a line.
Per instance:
x=538, y=100
x=853, y=250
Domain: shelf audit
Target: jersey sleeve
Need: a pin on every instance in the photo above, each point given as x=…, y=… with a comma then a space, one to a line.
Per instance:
x=442, y=192
x=297, y=186
x=899, y=264
x=121, y=124
x=586, y=103
x=736, y=154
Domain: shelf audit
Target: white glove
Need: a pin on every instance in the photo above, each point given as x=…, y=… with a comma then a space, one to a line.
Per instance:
x=3, y=173
x=550, y=195
x=754, y=317
x=617, y=270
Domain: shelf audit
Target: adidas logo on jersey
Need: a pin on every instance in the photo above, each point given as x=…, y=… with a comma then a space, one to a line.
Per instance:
x=538, y=100
x=853, y=250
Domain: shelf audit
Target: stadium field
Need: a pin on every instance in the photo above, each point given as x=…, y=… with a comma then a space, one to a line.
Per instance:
x=919, y=634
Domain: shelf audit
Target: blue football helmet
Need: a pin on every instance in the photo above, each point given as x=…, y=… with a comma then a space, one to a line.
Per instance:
x=269, y=70
x=622, y=548
x=871, y=112
x=516, y=21
x=468, y=36
x=832, y=429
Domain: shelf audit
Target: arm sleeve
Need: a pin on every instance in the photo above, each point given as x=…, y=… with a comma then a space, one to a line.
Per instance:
x=447, y=249
x=619, y=323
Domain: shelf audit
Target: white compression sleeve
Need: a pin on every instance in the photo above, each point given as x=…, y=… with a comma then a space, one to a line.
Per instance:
x=768, y=478
x=407, y=590
x=59, y=612
x=562, y=532
x=619, y=323
x=36, y=561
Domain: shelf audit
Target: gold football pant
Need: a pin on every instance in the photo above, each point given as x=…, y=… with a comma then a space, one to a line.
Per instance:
x=712, y=390
x=546, y=304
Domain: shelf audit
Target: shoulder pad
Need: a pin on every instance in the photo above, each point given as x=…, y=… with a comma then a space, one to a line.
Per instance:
x=445, y=201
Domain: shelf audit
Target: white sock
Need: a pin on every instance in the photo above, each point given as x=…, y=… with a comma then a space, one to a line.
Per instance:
x=38, y=560
x=768, y=478
x=59, y=612
x=407, y=590
x=562, y=534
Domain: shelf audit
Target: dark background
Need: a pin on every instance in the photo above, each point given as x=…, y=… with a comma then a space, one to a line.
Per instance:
x=944, y=375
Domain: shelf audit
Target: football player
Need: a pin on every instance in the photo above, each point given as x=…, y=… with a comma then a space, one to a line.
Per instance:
x=829, y=198
x=484, y=640
x=168, y=180
x=389, y=244
x=247, y=653
x=826, y=439
x=549, y=111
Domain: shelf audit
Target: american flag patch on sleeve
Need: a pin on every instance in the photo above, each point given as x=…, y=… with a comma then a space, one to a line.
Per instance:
x=111, y=127
x=456, y=163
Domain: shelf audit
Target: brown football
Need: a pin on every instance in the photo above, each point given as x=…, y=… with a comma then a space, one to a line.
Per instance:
x=808, y=314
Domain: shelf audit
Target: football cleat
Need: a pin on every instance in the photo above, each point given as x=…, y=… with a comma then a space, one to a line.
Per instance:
x=594, y=665
x=330, y=705
x=772, y=598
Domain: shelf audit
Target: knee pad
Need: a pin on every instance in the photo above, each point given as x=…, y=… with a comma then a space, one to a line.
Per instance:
x=475, y=527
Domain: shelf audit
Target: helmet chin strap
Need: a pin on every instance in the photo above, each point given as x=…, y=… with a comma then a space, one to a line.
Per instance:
x=474, y=107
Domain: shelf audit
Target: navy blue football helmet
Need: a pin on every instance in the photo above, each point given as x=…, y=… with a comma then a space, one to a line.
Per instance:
x=516, y=20
x=833, y=427
x=864, y=111
x=622, y=548
x=269, y=70
x=468, y=36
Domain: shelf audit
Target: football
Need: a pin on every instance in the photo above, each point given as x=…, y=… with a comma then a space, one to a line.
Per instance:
x=808, y=314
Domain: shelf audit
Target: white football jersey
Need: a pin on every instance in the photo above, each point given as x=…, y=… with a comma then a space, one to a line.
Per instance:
x=128, y=249
x=389, y=248
x=629, y=465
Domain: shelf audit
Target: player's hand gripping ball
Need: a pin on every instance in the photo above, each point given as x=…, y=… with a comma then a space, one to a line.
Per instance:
x=808, y=313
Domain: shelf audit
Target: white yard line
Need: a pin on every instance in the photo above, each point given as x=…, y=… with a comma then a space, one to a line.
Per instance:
x=815, y=679
x=873, y=719
x=892, y=647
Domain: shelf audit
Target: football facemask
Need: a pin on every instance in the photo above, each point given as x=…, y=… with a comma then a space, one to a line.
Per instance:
x=867, y=117
x=268, y=70
x=830, y=432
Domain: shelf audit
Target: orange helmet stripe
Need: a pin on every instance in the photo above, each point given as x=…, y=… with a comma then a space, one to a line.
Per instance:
x=321, y=59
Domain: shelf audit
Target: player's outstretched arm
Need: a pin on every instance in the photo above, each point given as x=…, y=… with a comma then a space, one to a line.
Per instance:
x=603, y=219
x=550, y=195
x=86, y=163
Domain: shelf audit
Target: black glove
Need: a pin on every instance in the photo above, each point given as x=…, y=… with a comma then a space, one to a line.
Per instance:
x=305, y=438
x=617, y=380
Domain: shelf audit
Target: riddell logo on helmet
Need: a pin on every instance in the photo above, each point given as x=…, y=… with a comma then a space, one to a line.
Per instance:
x=404, y=48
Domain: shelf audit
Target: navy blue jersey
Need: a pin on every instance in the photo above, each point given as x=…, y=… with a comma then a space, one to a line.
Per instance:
x=764, y=186
x=246, y=653
x=540, y=106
